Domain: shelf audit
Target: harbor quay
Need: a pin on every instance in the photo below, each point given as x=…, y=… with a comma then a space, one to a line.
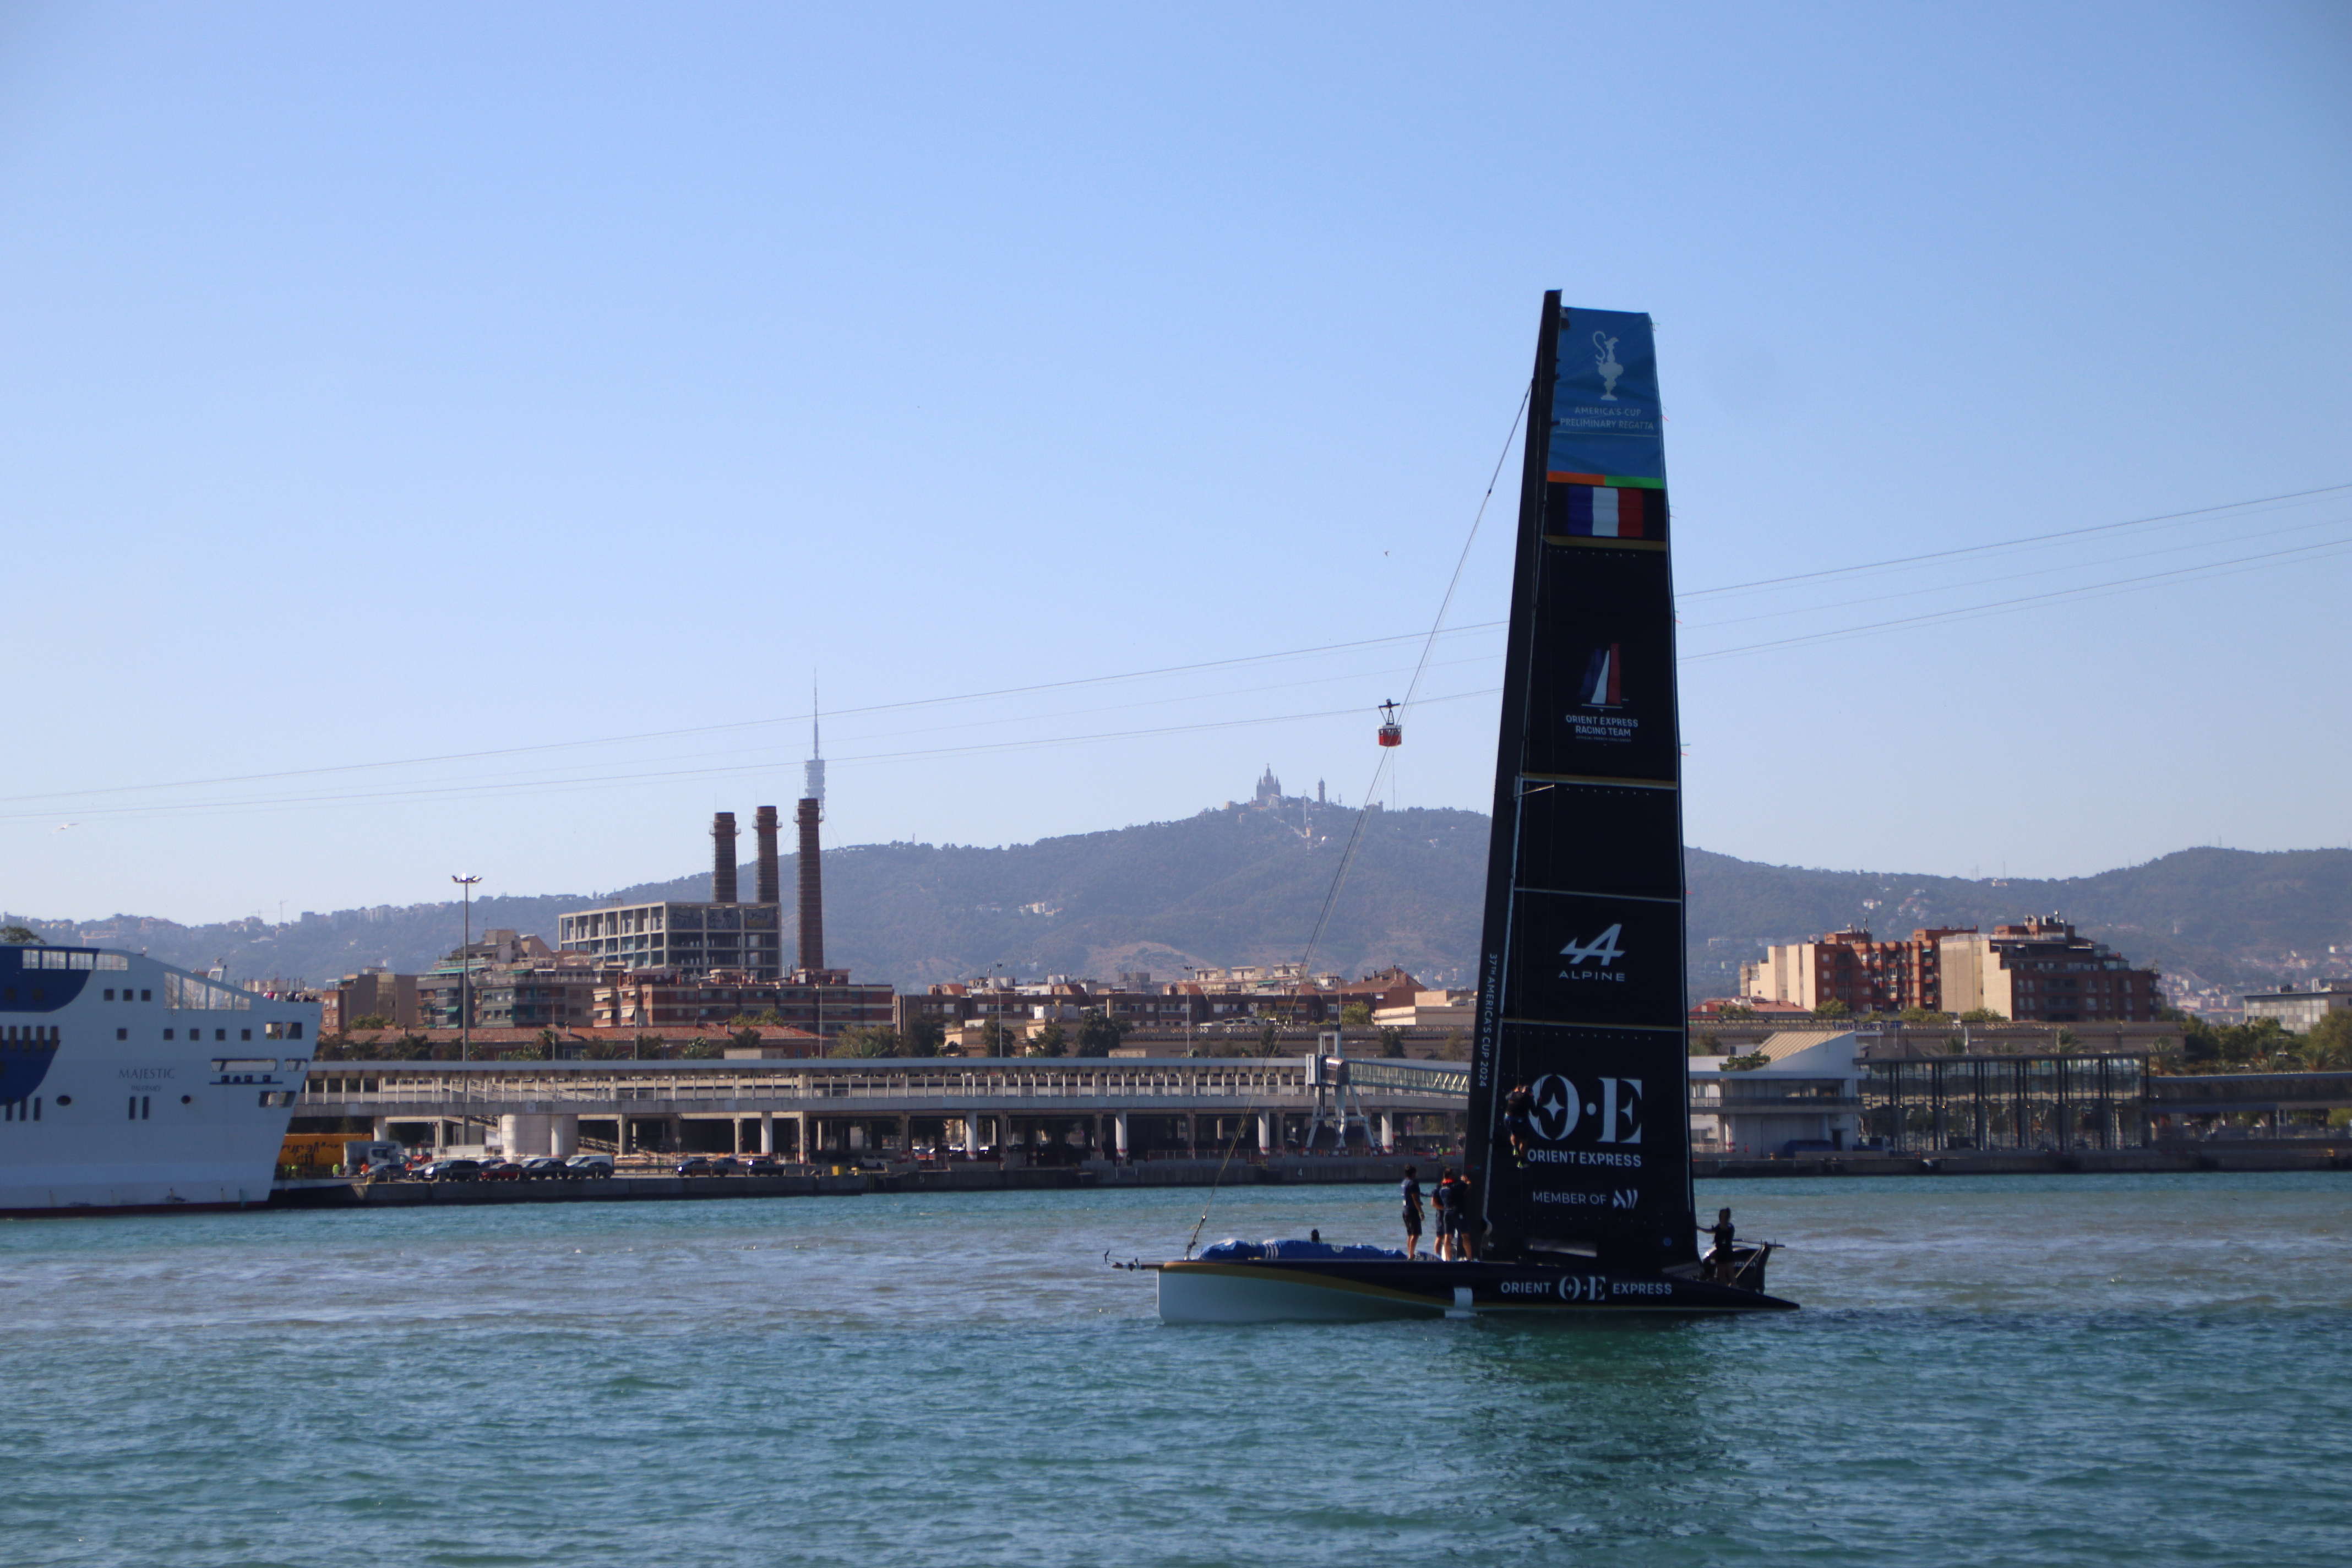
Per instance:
x=838, y=1110
x=848, y=1126
x=1010, y=1173
x=1006, y=1173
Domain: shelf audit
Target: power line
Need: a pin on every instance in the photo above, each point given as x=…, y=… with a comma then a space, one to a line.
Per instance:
x=2012, y=576
x=478, y=789
x=1427, y=640
x=2217, y=568
x=2014, y=543
x=745, y=723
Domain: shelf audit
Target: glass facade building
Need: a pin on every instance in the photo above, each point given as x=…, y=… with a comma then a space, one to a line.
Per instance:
x=2005, y=1103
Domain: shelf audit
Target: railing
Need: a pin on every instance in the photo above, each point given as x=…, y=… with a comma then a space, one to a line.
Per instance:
x=818, y=1085
x=1451, y=1079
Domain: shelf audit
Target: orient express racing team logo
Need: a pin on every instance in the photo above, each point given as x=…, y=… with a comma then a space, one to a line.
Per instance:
x=1614, y=1105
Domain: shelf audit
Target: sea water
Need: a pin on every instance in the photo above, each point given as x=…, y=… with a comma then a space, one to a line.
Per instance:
x=1996, y=1370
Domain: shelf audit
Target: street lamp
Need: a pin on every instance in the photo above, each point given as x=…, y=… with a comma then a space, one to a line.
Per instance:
x=1188, y=1011
x=997, y=1045
x=464, y=972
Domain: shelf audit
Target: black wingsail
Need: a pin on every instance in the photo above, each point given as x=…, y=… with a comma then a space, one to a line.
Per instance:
x=1581, y=985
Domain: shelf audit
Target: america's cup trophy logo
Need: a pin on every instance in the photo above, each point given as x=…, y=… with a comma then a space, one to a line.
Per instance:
x=1605, y=362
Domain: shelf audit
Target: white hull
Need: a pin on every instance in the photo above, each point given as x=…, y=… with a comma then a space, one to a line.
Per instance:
x=137, y=1086
x=1195, y=1297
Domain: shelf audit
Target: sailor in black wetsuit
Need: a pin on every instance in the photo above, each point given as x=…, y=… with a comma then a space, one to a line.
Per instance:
x=1518, y=1121
x=1725, y=1268
x=1409, y=1191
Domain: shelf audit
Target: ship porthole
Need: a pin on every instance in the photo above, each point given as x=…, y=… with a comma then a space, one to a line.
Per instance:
x=65, y=1099
x=187, y=1100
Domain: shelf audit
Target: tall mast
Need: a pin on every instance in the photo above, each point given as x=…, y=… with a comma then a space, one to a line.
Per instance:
x=1581, y=1002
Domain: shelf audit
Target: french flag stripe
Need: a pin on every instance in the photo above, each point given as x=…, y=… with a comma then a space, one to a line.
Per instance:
x=1604, y=511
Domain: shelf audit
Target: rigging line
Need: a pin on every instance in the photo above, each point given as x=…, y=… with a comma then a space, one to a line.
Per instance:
x=1355, y=834
x=2252, y=563
x=1305, y=969
x=2005, y=544
x=1364, y=806
x=742, y=724
x=1462, y=560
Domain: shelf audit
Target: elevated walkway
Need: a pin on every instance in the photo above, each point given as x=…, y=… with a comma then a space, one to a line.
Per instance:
x=875, y=1087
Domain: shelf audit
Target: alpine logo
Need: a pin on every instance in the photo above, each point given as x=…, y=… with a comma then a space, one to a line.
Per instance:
x=1601, y=951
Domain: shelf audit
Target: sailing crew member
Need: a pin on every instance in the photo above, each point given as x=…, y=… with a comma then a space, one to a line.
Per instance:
x=1725, y=1268
x=1444, y=1200
x=1465, y=1225
x=1518, y=1121
x=1410, y=1190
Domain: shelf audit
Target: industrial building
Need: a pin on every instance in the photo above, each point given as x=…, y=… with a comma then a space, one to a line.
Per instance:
x=694, y=938
x=688, y=964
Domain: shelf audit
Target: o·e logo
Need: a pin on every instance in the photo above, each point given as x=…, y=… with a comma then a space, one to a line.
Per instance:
x=1559, y=1105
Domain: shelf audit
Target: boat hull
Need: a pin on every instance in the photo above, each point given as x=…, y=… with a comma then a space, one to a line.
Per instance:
x=130, y=1087
x=1277, y=1291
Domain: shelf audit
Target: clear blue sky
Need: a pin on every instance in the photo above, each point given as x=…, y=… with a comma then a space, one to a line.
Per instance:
x=381, y=383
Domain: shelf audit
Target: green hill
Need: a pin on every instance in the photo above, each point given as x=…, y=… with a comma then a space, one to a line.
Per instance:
x=1243, y=886
x=1223, y=888
x=2233, y=916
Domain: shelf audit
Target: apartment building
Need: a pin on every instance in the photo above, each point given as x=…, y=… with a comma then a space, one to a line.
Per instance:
x=1851, y=966
x=2042, y=971
x=371, y=994
x=822, y=1001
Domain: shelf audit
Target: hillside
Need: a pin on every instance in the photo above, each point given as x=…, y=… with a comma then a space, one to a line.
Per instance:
x=1222, y=887
x=1243, y=887
x=2235, y=917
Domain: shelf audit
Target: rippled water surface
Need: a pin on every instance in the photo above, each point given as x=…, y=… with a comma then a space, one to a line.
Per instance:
x=1988, y=1370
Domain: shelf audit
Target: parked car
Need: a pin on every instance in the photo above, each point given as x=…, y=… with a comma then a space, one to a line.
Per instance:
x=695, y=1166
x=500, y=1171
x=726, y=1165
x=451, y=1171
x=761, y=1165
x=590, y=1164
x=384, y=1171
x=545, y=1167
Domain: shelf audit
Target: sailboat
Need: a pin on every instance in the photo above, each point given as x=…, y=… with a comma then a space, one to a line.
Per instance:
x=1578, y=1147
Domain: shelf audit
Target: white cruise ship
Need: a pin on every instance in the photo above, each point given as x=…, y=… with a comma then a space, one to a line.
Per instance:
x=128, y=1084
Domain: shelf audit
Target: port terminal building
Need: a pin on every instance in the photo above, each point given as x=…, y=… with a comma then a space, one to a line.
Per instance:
x=1058, y=1109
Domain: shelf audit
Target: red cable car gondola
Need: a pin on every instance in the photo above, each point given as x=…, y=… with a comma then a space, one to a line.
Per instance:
x=1392, y=733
